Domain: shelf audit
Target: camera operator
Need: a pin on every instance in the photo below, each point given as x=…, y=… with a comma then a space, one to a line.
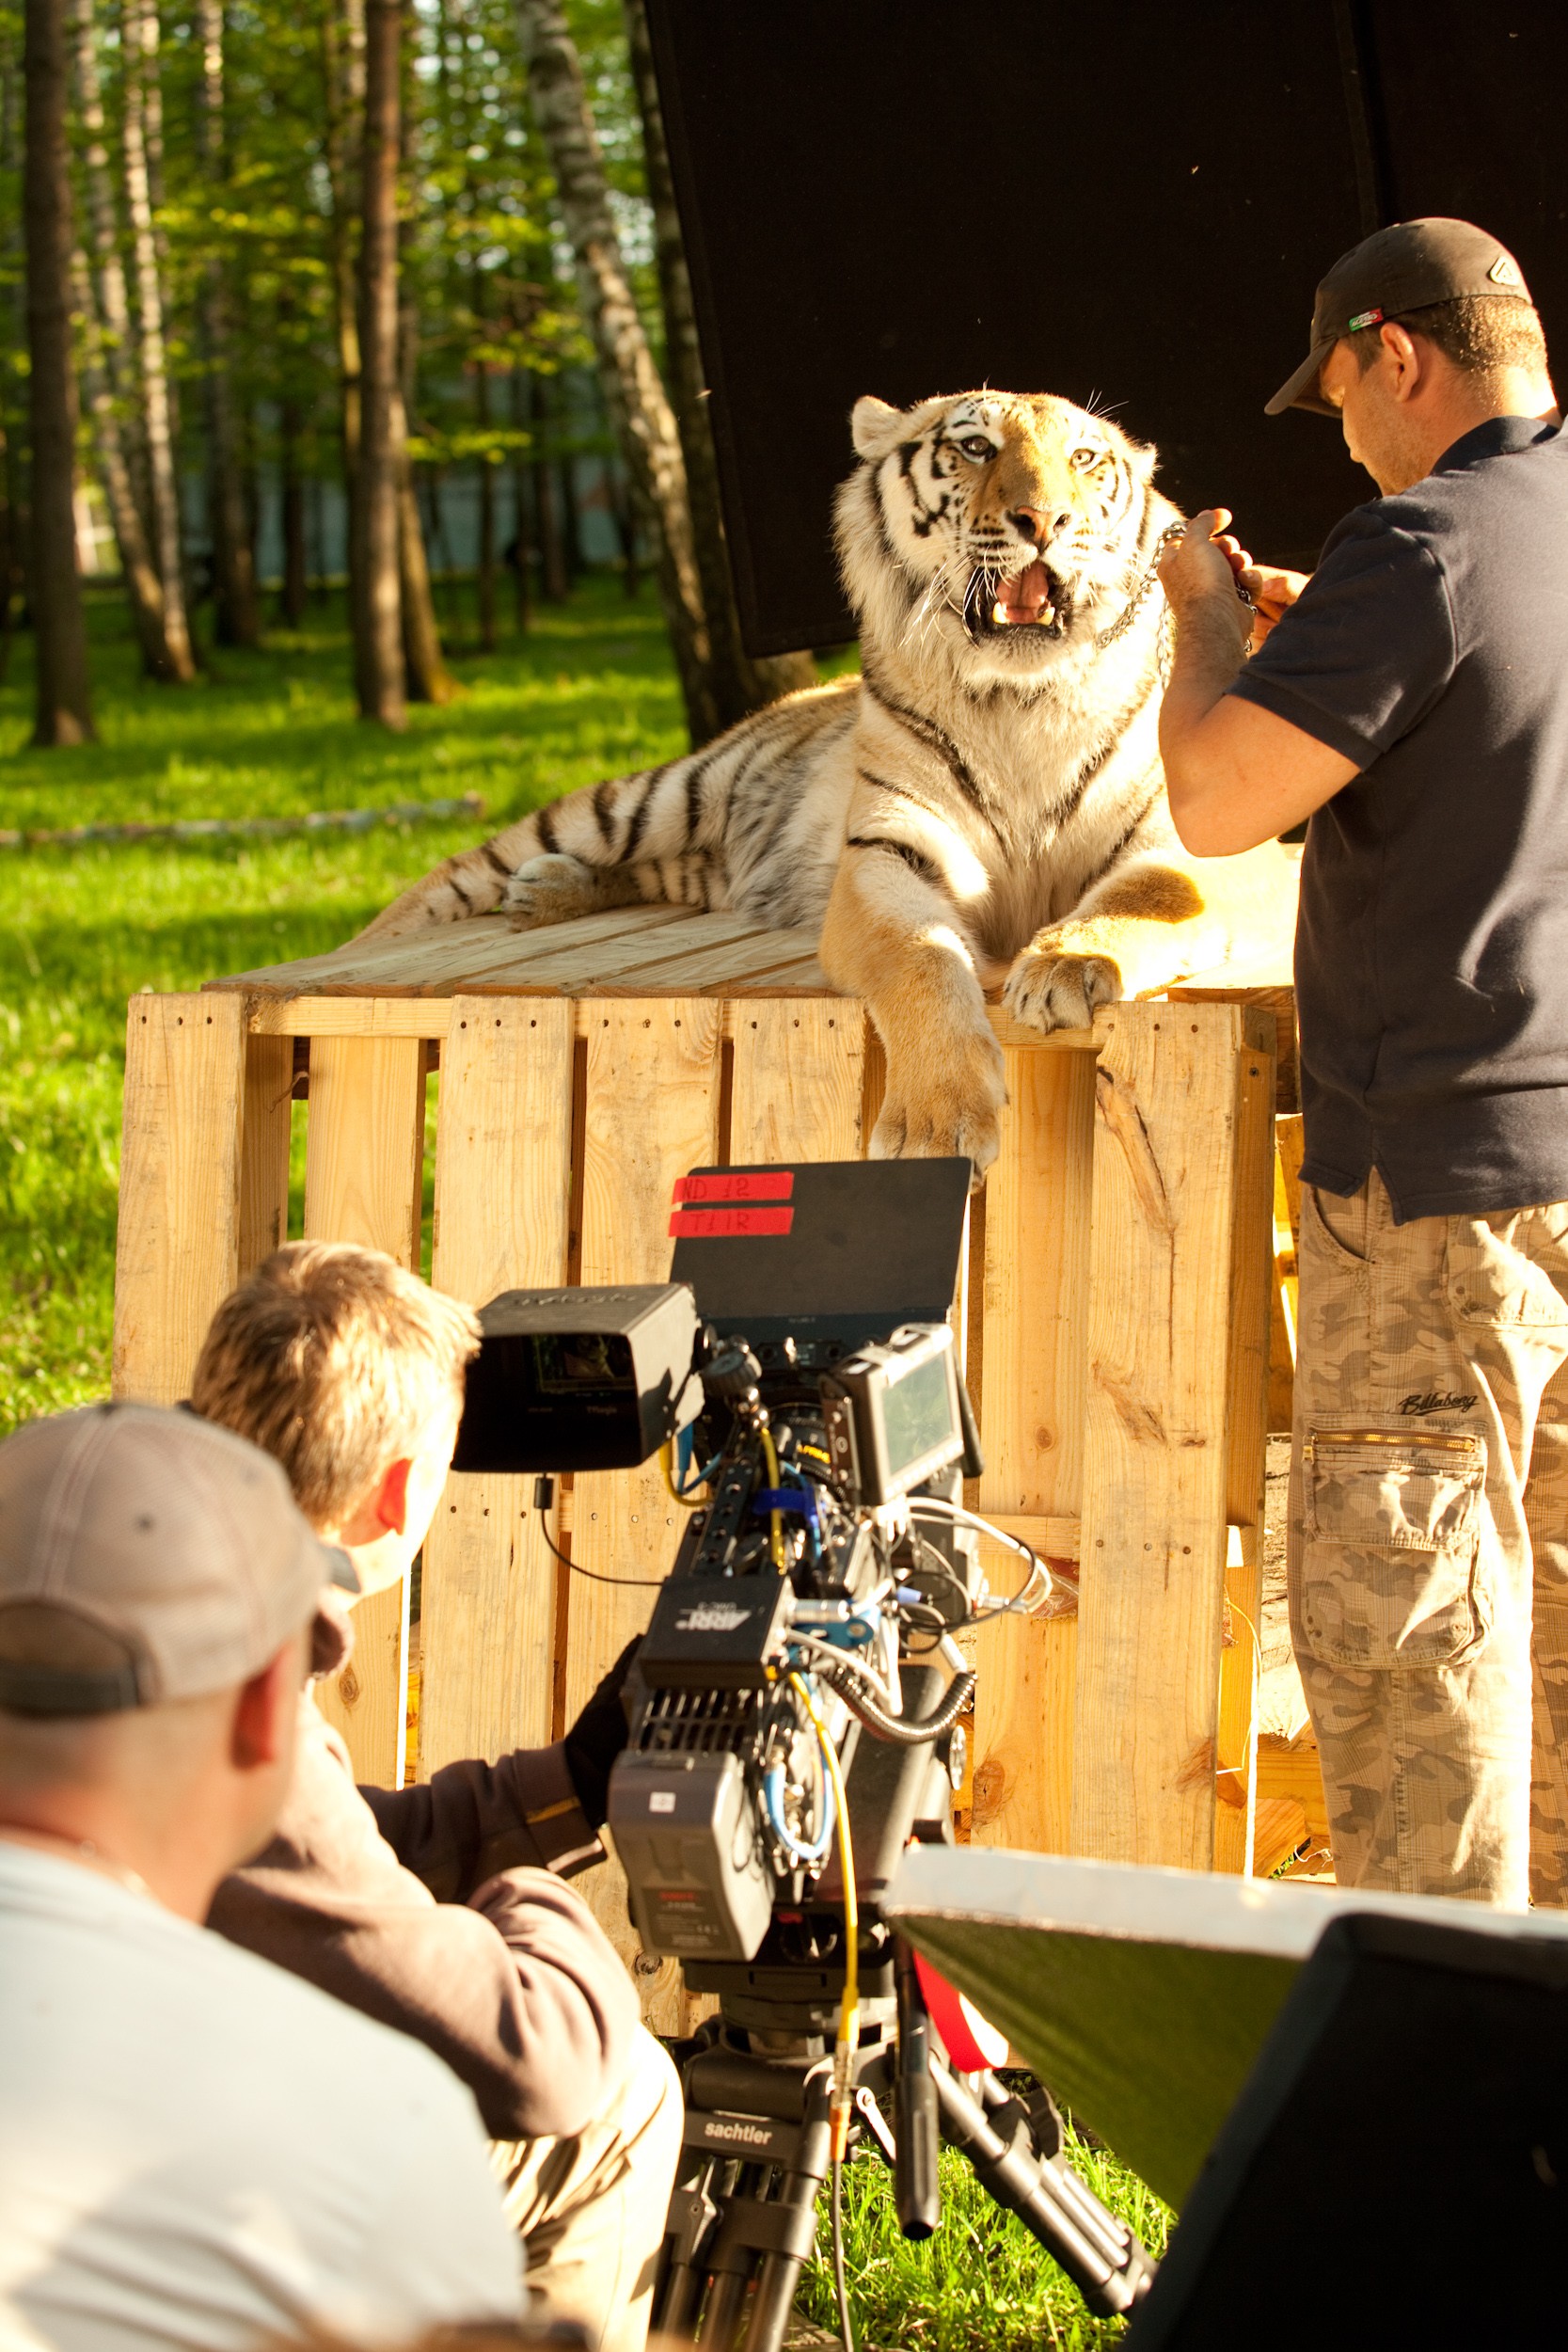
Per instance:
x=193, y=2148
x=442, y=1909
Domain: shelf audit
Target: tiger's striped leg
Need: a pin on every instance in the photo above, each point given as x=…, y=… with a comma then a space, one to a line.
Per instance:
x=894, y=936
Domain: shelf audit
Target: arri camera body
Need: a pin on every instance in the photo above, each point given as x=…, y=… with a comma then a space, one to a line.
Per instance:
x=801, y=1363
x=794, y=1709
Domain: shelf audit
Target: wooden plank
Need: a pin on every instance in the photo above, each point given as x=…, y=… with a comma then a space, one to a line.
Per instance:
x=1034, y=1325
x=798, y=1083
x=178, y=1249
x=397, y=966
x=1290, y=1768
x=503, y=1199
x=269, y=1069
x=1155, y=1457
x=351, y=1016
x=363, y=1142
x=652, y=1112
x=1246, y=1444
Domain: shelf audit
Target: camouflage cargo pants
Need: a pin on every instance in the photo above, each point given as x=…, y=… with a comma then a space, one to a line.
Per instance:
x=1429, y=1543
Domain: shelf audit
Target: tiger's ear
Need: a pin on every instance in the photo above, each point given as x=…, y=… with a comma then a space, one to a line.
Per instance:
x=874, y=427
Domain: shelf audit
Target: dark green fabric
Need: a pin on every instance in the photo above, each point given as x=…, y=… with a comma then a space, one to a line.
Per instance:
x=1148, y=2044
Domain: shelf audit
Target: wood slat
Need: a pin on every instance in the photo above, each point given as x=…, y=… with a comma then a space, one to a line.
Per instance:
x=1155, y=1457
x=503, y=1199
x=1246, y=1443
x=442, y=954
x=363, y=1143
x=652, y=1112
x=798, y=1081
x=1032, y=1407
x=269, y=1069
x=178, y=1249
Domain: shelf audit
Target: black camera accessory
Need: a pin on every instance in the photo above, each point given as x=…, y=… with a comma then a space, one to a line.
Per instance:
x=579, y=1379
x=893, y=1414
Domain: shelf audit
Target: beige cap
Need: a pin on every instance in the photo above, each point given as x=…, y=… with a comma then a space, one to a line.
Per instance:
x=145, y=1555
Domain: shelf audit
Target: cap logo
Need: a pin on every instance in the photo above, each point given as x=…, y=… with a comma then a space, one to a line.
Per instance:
x=1364, y=318
x=1503, y=273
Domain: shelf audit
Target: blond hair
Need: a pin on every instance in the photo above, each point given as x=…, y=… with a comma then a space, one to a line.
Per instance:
x=336, y=1361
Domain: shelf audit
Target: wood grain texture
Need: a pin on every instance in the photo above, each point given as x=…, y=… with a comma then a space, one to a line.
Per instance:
x=503, y=1201
x=1289, y=1146
x=1246, y=1450
x=798, y=1083
x=265, y=1149
x=363, y=1141
x=652, y=1112
x=1155, y=1458
x=1034, y=1364
x=178, y=1249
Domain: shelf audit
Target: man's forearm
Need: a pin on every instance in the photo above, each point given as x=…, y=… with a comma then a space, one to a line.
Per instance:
x=1209, y=653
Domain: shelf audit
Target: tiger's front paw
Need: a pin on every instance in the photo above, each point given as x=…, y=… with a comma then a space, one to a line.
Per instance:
x=948, y=1108
x=1049, y=991
x=550, y=889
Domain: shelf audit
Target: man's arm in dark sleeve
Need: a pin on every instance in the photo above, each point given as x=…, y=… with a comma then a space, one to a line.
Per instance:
x=469, y=1820
x=518, y=1990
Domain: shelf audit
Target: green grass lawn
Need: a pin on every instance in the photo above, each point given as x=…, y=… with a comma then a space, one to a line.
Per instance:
x=588, y=694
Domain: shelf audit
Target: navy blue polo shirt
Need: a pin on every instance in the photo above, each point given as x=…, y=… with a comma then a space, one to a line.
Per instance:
x=1431, y=647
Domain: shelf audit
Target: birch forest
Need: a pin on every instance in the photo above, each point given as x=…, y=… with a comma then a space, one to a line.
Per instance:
x=255, y=250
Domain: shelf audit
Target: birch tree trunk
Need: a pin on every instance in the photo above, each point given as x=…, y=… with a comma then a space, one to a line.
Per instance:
x=238, y=612
x=100, y=298
x=343, y=65
x=634, y=394
x=139, y=32
x=62, y=711
x=740, y=681
x=378, y=631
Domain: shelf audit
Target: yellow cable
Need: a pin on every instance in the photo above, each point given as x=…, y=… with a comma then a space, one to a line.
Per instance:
x=666, y=1463
x=849, y=2008
x=775, y=1518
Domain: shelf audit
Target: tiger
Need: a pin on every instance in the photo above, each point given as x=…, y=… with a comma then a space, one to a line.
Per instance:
x=982, y=807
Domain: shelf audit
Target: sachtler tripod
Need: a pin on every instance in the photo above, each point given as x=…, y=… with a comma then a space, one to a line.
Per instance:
x=758, y=2077
x=742, y=2220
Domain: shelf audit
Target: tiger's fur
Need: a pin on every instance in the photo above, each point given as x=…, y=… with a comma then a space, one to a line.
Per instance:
x=982, y=805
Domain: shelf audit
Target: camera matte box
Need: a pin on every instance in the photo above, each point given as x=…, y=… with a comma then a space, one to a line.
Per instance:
x=609, y=1403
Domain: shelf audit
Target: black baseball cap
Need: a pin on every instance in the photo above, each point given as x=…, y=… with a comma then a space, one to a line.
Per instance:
x=1402, y=268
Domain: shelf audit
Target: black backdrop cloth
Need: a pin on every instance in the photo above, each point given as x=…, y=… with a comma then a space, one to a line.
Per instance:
x=1130, y=205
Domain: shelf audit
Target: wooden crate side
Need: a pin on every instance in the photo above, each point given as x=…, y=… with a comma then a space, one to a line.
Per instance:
x=269, y=1069
x=363, y=1140
x=503, y=1199
x=1290, y=1145
x=1246, y=1457
x=798, y=1083
x=178, y=1246
x=1155, y=1460
x=652, y=1112
x=1033, y=1371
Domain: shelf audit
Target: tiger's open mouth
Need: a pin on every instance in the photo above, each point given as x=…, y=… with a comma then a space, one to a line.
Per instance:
x=1033, y=601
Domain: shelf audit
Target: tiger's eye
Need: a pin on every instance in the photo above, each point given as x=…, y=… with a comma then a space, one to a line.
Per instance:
x=1084, y=459
x=977, y=449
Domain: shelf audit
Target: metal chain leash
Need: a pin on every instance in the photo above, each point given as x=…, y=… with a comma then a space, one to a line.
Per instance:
x=1119, y=627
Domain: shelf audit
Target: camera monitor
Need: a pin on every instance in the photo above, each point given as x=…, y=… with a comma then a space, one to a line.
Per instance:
x=829, y=1253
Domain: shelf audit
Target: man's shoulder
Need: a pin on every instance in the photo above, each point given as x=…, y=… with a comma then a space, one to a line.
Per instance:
x=175, y=1979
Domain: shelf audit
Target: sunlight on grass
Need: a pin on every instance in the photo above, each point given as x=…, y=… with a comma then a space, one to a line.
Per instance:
x=590, y=692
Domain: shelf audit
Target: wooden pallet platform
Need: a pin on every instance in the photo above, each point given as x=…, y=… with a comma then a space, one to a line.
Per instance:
x=1116, y=1307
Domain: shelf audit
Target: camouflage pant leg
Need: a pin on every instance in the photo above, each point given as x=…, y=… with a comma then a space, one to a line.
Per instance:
x=1546, y=1513
x=1423, y=1353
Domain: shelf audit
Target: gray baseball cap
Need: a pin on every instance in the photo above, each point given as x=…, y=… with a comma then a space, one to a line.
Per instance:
x=145, y=1555
x=1404, y=268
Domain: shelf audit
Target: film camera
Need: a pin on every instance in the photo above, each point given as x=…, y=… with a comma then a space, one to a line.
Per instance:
x=794, y=1711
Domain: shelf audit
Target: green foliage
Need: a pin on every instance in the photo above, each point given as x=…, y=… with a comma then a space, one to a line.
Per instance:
x=588, y=694
x=982, y=2284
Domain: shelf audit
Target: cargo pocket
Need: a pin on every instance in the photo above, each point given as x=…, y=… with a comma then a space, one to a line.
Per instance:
x=1390, y=1571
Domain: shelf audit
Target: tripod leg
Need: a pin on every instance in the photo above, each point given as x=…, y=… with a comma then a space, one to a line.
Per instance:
x=1107, y=2265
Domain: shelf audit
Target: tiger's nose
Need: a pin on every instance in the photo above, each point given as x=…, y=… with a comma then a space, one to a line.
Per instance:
x=1039, y=523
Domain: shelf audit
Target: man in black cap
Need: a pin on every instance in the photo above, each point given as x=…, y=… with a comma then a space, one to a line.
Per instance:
x=1411, y=700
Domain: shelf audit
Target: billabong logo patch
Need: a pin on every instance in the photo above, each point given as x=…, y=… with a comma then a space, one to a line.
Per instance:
x=1503, y=272
x=1436, y=1401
